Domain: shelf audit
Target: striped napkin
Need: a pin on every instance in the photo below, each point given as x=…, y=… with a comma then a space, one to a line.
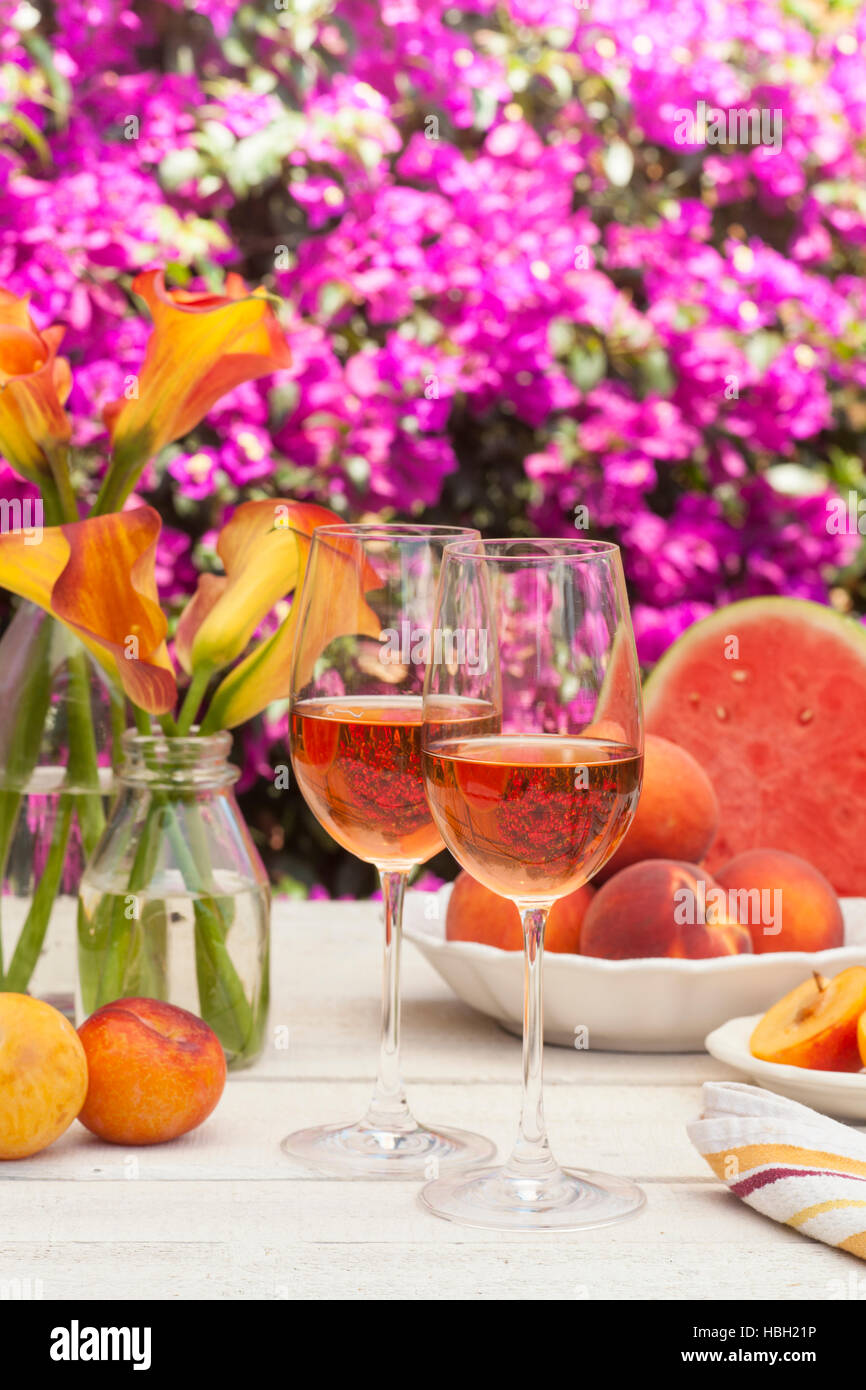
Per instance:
x=786, y=1161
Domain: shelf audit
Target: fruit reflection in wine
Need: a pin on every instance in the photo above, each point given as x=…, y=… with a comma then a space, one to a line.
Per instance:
x=532, y=816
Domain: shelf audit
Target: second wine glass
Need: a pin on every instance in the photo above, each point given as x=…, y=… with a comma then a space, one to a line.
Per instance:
x=533, y=765
x=363, y=641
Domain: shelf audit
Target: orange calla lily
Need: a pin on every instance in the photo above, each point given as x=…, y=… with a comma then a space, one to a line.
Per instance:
x=34, y=387
x=265, y=674
x=97, y=577
x=202, y=346
x=263, y=560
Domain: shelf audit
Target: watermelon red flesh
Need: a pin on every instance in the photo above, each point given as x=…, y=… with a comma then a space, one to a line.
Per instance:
x=781, y=730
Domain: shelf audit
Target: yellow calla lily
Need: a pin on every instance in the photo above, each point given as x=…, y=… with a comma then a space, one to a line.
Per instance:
x=97, y=577
x=265, y=674
x=202, y=346
x=263, y=561
x=34, y=386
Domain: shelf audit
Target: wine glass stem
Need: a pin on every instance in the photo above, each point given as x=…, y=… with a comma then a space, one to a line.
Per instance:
x=531, y=1156
x=388, y=1109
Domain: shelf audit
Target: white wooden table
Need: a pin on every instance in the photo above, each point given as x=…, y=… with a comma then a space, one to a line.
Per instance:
x=223, y=1214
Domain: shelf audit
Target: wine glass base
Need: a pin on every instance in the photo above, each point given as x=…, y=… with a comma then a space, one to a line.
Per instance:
x=571, y=1199
x=366, y=1150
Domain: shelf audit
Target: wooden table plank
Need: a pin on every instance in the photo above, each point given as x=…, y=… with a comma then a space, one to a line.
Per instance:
x=622, y=1129
x=753, y=1261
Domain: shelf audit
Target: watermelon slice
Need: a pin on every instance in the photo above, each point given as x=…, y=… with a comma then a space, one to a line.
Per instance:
x=770, y=696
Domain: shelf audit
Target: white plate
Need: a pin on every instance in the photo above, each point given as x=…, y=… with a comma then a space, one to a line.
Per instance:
x=649, y=1005
x=839, y=1093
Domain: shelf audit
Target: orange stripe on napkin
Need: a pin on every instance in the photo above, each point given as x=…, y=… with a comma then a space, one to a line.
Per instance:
x=759, y=1155
x=855, y=1245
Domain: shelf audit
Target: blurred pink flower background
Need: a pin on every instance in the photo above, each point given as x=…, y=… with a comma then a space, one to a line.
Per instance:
x=513, y=298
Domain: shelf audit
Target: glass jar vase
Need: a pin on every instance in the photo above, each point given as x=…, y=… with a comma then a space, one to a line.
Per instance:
x=175, y=903
x=57, y=731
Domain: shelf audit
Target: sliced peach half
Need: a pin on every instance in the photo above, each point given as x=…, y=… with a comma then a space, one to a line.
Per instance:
x=816, y=1025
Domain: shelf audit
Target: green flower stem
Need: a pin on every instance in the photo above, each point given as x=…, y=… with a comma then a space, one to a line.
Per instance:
x=51, y=504
x=114, y=938
x=117, y=716
x=122, y=475
x=83, y=768
x=22, y=750
x=111, y=495
x=224, y=1004
x=192, y=700
x=10, y=803
x=151, y=965
x=58, y=458
x=32, y=936
x=142, y=721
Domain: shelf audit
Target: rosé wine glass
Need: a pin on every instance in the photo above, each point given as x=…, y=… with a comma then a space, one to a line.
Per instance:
x=361, y=650
x=533, y=769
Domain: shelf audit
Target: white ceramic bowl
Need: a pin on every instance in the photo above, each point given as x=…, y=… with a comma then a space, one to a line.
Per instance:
x=651, y=1005
x=839, y=1093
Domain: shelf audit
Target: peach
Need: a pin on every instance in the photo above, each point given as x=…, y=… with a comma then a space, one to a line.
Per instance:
x=861, y=1037
x=816, y=1025
x=785, y=902
x=475, y=913
x=662, y=907
x=156, y=1071
x=676, y=815
x=43, y=1075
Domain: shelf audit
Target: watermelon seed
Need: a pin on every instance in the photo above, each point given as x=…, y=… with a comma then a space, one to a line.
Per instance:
x=806, y=715
x=739, y=675
x=695, y=698
x=721, y=712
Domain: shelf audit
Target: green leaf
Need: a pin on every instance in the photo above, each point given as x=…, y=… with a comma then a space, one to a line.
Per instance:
x=762, y=347
x=41, y=53
x=32, y=134
x=618, y=163
x=587, y=364
x=179, y=167
x=332, y=297
x=282, y=401
x=655, y=370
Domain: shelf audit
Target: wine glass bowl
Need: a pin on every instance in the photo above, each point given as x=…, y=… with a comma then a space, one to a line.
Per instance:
x=358, y=763
x=532, y=793
x=506, y=807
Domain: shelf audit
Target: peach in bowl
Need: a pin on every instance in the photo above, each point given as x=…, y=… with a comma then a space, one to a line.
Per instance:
x=653, y=983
